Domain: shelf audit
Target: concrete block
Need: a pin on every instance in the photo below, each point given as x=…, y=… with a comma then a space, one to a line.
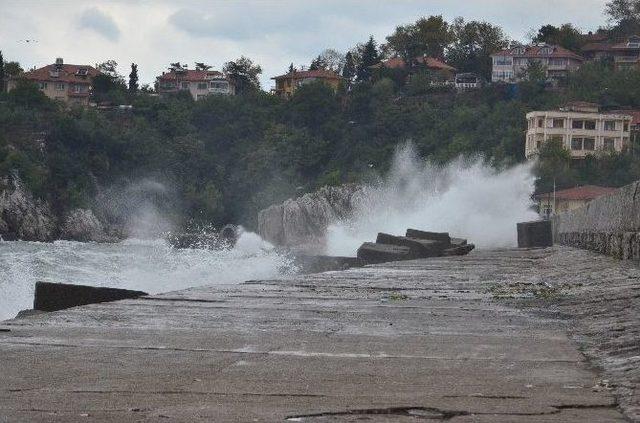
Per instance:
x=381, y=253
x=58, y=296
x=431, y=236
x=420, y=248
x=460, y=250
x=535, y=234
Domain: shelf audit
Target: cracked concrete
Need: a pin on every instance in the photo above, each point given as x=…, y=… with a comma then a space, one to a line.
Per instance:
x=479, y=338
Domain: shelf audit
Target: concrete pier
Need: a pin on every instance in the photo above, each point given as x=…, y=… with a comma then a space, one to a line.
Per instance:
x=476, y=338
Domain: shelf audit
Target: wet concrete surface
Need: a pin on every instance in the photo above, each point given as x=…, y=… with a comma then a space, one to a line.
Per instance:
x=489, y=337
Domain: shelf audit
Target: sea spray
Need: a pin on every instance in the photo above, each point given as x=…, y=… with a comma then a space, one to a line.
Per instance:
x=465, y=197
x=140, y=264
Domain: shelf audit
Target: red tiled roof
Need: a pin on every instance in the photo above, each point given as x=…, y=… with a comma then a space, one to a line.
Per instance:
x=67, y=73
x=536, y=51
x=190, y=75
x=318, y=73
x=603, y=46
x=635, y=115
x=586, y=192
x=429, y=62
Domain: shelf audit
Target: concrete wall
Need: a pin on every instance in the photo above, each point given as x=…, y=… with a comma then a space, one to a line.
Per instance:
x=609, y=224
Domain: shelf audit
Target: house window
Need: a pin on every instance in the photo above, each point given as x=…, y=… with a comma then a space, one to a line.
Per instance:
x=538, y=144
x=557, y=62
x=609, y=125
x=203, y=85
x=42, y=85
x=557, y=123
x=220, y=85
x=184, y=85
x=540, y=123
x=590, y=125
x=502, y=61
x=200, y=96
x=546, y=51
x=577, y=124
x=626, y=127
x=556, y=138
x=589, y=144
x=608, y=144
x=59, y=86
x=576, y=143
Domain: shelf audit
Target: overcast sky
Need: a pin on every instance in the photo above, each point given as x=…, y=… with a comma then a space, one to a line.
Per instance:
x=274, y=33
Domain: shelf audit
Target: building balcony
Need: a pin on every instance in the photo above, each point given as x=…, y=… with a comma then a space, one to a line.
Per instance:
x=626, y=59
x=72, y=93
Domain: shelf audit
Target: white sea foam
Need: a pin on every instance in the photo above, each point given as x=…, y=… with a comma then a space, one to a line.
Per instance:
x=466, y=198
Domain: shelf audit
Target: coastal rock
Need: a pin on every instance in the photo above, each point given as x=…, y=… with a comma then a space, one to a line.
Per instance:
x=304, y=220
x=83, y=225
x=22, y=216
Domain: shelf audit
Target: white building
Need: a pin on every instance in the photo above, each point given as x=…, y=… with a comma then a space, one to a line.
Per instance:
x=579, y=128
x=199, y=83
x=510, y=65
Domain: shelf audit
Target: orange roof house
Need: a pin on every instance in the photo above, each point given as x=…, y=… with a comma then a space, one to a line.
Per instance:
x=510, y=65
x=430, y=63
x=569, y=199
x=288, y=83
x=71, y=84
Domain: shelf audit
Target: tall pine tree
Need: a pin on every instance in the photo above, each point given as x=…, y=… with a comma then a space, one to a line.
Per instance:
x=1, y=72
x=369, y=58
x=349, y=69
x=133, y=79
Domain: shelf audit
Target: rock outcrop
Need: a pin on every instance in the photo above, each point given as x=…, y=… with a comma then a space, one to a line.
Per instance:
x=302, y=222
x=83, y=225
x=22, y=216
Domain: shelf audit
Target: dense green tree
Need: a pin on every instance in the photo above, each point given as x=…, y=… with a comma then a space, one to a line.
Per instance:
x=566, y=35
x=349, y=68
x=133, y=79
x=474, y=42
x=2, y=75
x=625, y=15
x=369, y=57
x=244, y=74
x=202, y=66
x=427, y=36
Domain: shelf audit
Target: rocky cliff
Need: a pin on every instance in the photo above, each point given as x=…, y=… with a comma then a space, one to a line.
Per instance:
x=302, y=222
x=22, y=216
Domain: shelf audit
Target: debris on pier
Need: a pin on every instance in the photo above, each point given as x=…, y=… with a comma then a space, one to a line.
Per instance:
x=414, y=245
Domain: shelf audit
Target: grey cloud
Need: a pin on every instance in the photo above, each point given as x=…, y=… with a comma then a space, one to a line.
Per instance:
x=98, y=21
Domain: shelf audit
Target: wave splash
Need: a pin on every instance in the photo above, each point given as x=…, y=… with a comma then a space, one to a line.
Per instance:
x=465, y=197
x=149, y=265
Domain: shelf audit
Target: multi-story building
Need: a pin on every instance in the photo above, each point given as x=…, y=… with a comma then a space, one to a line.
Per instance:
x=288, y=83
x=71, y=84
x=580, y=128
x=510, y=65
x=198, y=83
x=625, y=54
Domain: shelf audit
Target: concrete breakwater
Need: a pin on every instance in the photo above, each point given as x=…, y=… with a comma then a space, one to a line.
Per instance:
x=608, y=225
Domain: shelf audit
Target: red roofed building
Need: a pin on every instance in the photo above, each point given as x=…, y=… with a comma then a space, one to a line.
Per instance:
x=198, y=83
x=288, y=83
x=510, y=65
x=568, y=199
x=71, y=84
x=430, y=63
x=625, y=54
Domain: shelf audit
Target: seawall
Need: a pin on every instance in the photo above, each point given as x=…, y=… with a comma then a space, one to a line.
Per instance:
x=608, y=225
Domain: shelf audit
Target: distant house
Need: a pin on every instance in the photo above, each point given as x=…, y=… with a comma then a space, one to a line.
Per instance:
x=198, y=83
x=625, y=54
x=71, y=84
x=580, y=128
x=550, y=203
x=288, y=83
x=510, y=65
x=421, y=62
x=468, y=81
